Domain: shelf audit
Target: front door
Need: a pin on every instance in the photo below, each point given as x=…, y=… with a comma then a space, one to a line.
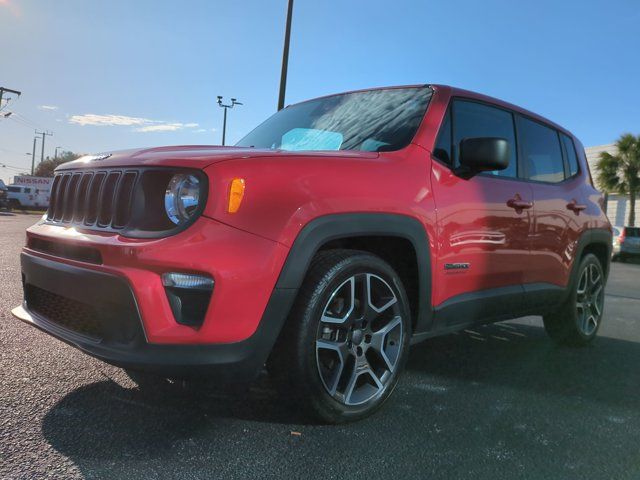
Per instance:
x=483, y=222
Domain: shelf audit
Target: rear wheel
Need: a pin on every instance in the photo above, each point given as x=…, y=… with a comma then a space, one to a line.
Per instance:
x=347, y=339
x=577, y=323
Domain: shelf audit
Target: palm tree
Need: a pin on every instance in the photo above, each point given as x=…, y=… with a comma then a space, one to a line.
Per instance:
x=620, y=173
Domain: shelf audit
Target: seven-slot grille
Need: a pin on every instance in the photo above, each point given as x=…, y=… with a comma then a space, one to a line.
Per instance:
x=92, y=198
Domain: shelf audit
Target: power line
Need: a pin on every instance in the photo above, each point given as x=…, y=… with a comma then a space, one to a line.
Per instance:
x=28, y=120
x=20, y=122
x=22, y=169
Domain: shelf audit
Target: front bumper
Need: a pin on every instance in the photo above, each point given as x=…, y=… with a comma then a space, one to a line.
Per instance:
x=118, y=338
x=116, y=308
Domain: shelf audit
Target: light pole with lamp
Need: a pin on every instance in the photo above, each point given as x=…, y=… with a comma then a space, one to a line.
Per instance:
x=233, y=103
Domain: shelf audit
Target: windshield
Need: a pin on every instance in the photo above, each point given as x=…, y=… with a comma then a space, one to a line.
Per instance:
x=372, y=121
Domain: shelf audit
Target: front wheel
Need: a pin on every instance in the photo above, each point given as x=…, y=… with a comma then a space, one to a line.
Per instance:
x=577, y=323
x=347, y=338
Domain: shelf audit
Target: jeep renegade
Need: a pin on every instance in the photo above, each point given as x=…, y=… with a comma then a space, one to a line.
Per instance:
x=326, y=242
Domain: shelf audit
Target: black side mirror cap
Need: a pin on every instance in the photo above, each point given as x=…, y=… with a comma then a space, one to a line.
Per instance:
x=483, y=154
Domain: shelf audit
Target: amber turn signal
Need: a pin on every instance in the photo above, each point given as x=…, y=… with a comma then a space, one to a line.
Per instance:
x=236, y=193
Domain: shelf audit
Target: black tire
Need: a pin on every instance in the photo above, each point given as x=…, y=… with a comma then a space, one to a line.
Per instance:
x=371, y=339
x=578, y=321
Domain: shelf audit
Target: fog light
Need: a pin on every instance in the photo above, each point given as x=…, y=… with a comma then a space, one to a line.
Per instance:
x=186, y=280
x=188, y=296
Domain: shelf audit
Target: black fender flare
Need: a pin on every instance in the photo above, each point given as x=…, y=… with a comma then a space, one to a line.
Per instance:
x=595, y=236
x=345, y=225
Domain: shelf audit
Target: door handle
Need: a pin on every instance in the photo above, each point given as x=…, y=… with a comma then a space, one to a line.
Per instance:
x=576, y=207
x=519, y=204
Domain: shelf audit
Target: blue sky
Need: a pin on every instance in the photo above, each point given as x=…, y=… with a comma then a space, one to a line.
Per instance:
x=104, y=75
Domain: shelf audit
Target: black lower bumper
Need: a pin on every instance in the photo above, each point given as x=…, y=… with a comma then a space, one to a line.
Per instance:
x=114, y=332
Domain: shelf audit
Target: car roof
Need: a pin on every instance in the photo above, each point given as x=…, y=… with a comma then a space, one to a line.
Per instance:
x=454, y=92
x=460, y=92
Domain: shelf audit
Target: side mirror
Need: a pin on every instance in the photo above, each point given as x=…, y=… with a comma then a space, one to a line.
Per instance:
x=483, y=154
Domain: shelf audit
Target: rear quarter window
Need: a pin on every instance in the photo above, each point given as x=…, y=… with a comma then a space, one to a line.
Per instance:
x=572, y=158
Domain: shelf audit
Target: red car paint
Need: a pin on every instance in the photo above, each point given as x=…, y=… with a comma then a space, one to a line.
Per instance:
x=467, y=221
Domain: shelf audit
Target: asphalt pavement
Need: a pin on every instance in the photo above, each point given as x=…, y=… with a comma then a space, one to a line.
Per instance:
x=494, y=402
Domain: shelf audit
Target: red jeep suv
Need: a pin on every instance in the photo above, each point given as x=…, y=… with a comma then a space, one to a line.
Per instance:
x=329, y=239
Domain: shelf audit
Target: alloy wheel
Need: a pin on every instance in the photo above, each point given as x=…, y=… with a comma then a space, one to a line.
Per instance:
x=360, y=339
x=590, y=299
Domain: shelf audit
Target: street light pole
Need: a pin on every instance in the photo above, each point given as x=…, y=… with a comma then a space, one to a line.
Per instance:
x=224, y=126
x=233, y=103
x=285, y=56
x=33, y=155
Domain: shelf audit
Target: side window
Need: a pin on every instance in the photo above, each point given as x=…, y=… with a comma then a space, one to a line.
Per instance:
x=541, y=153
x=572, y=158
x=442, y=150
x=471, y=119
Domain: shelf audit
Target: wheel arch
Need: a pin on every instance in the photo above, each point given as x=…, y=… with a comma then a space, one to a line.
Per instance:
x=367, y=231
x=597, y=242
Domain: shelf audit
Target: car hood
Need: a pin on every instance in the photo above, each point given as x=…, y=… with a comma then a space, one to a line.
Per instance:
x=191, y=156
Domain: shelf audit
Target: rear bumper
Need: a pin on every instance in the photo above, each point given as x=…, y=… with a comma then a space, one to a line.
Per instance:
x=628, y=250
x=105, y=323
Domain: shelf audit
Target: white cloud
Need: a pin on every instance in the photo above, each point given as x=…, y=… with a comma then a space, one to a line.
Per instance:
x=143, y=125
x=165, y=127
x=107, y=120
x=48, y=107
x=200, y=130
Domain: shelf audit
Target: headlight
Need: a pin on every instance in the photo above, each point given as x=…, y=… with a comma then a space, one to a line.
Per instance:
x=182, y=197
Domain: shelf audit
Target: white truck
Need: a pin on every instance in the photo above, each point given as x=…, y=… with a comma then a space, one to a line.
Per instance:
x=29, y=192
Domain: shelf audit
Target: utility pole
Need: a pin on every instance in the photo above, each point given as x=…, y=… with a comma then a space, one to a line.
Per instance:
x=233, y=103
x=33, y=155
x=43, y=135
x=285, y=56
x=8, y=90
x=55, y=157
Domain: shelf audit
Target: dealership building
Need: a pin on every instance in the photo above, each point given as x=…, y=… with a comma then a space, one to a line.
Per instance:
x=617, y=205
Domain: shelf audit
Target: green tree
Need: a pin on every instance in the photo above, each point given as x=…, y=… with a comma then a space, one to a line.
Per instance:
x=48, y=165
x=620, y=173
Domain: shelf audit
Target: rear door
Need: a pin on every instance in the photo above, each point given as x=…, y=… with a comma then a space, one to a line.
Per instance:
x=550, y=165
x=483, y=222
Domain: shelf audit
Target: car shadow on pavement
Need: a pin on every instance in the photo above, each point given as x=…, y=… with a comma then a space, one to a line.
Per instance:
x=146, y=422
x=106, y=422
x=522, y=357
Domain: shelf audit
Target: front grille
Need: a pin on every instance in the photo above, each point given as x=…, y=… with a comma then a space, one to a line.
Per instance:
x=93, y=198
x=76, y=316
